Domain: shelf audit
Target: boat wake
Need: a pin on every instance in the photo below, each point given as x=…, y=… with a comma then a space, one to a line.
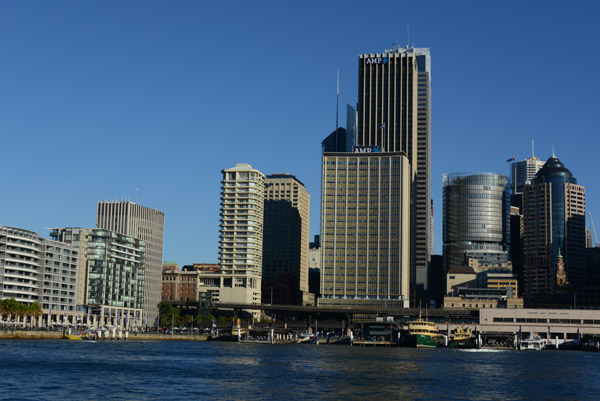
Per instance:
x=483, y=350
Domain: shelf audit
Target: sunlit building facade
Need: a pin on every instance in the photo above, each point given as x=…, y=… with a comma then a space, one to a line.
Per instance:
x=365, y=230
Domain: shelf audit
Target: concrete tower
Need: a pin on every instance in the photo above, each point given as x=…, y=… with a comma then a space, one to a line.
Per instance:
x=286, y=241
x=365, y=230
x=241, y=234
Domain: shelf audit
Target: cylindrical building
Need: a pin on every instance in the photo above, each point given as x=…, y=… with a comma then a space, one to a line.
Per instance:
x=476, y=216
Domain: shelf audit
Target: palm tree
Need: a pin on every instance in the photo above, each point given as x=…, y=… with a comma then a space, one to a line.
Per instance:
x=33, y=310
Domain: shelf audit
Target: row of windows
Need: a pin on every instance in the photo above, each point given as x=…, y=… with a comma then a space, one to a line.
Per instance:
x=544, y=320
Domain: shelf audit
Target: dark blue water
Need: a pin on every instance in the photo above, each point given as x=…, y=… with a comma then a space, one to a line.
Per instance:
x=135, y=370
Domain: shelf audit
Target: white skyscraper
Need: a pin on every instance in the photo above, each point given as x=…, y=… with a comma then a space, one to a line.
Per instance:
x=523, y=171
x=241, y=234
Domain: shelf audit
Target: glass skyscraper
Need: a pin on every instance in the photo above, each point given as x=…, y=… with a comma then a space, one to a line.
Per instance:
x=476, y=216
x=554, y=222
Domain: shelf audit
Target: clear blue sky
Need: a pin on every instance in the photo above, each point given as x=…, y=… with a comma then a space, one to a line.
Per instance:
x=98, y=98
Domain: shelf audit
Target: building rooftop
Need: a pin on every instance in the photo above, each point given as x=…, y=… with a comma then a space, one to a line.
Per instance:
x=461, y=270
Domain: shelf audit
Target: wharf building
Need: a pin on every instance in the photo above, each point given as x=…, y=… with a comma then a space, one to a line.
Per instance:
x=553, y=229
x=286, y=241
x=476, y=218
x=365, y=230
x=241, y=234
x=111, y=273
x=145, y=224
x=36, y=269
x=394, y=112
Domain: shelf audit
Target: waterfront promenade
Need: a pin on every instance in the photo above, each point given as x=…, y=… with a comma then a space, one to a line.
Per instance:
x=54, y=335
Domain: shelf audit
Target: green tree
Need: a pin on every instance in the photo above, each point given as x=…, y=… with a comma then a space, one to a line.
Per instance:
x=168, y=314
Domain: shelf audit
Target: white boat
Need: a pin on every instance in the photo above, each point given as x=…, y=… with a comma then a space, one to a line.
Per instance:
x=535, y=343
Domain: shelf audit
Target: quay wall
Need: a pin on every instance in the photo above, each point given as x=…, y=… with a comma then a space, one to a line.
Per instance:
x=53, y=335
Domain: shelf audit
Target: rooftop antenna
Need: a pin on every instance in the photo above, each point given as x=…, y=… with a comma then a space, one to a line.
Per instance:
x=553, y=155
x=407, y=36
x=337, y=111
x=532, y=153
x=337, y=102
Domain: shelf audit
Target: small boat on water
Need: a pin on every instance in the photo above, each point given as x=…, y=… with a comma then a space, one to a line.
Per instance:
x=462, y=337
x=535, y=343
x=80, y=336
x=422, y=334
x=307, y=338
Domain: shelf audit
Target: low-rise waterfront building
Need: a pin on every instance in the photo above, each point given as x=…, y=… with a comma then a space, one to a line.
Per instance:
x=482, y=298
x=36, y=269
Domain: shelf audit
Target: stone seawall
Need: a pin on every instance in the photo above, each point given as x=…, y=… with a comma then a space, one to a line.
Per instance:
x=29, y=335
x=167, y=337
x=53, y=335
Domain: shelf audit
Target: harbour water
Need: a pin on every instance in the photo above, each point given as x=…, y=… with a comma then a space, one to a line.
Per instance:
x=180, y=370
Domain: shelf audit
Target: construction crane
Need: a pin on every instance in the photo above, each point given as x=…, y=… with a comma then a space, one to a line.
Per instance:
x=595, y=236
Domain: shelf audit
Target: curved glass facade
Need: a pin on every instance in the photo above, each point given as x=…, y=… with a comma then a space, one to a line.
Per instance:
x=556, y=174
x=476, y=214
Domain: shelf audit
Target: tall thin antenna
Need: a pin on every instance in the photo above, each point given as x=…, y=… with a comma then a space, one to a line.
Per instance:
x=136, y=194
x=532, y=153
x=337, y=102
x=337, y=112
x=407, y=36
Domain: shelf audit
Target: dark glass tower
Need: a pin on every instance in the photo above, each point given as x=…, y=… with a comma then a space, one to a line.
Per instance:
x=554, y=222
x=394, y=104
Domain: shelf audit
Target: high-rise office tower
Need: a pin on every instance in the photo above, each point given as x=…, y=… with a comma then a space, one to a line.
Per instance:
x=365, y=230
x=522, y=173
x=351, y=122
x=146, y=224
x=553, y=224
x=285, y=241
x=241, y=234
x=394, y=104
x=476, y=218
x=342, y=140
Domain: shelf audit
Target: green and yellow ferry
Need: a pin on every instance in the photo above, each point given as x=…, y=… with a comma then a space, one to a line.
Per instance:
x=422, y=334
x=462, y=337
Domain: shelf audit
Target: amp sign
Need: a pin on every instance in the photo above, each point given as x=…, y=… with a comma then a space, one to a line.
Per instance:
x=366, y=149
x=376, y=60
